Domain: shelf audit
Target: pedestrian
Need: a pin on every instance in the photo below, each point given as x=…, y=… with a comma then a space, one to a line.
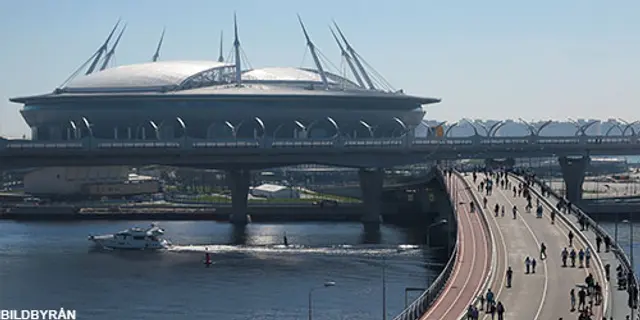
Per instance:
x=572, y=299
x=607, y=271
x=527, y=265
x=581, y=258
x=514, y=210
x=502, y=211
x=581, y=299
x=543, y=251
x=572, y=256
x=509, y=277
x=607, y=243
x=570, y=238
x=489, y=297
x=564, y=255
x=598, y=293
x=598, y=242
x=481, y=300
x=587, y=257
x=500, y=309
x=533, y=265
x=492, y=311
x=553, y=216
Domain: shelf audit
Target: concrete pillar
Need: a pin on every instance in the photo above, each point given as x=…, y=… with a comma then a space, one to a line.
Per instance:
x=371, y=181
x=239, y=180
x=573, y=172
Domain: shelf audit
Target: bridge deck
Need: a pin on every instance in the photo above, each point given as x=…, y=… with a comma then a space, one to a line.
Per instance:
x=472, y=266
x=617, y=299
x=545, y=294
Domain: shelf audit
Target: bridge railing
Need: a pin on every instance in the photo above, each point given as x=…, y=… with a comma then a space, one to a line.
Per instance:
x=617, y=248
x=339, y=142
x=421, y=304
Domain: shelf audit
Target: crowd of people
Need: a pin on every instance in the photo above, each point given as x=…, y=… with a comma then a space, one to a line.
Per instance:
x=584, y=296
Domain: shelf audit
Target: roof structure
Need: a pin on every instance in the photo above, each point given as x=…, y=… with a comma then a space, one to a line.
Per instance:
x=161, y=75
x=270, y=188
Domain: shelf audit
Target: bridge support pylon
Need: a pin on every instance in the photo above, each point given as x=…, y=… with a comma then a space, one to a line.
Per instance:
x=573, y=173
x=239, y=180
x=371, y=181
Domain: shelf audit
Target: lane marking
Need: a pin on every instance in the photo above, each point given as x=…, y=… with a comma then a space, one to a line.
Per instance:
x=544, y=262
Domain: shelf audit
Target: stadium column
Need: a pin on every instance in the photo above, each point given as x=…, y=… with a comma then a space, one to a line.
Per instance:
x=239, y=180
x=573, y=172
x=371, y=181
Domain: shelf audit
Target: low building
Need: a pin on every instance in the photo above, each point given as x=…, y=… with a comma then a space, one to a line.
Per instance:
x=73, y=182
x=272, y=191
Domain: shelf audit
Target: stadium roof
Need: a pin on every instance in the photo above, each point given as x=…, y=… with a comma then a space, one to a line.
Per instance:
x=154, y=75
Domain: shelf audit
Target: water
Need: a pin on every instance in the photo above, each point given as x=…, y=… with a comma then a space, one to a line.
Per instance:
x=624, y=238
x=50, y=265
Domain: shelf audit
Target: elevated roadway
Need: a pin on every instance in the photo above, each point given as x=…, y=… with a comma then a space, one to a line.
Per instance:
x=543, y=295
x=265, y=152
x=474, y=258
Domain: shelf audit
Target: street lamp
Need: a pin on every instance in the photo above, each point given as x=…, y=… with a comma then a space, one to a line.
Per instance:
x=325, y=285
x=435, y=224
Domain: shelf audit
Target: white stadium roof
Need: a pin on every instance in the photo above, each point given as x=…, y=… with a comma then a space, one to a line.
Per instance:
x=145, y=75
x=282, y=74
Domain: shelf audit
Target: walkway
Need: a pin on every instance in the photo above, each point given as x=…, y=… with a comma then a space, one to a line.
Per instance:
x=618, y=299
x=545, y=294
x=472, y=266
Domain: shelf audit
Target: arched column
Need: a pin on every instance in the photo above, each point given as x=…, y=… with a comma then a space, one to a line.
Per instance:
x=239, y=181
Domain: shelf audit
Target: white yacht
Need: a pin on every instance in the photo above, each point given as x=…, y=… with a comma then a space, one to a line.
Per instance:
x=133, y=239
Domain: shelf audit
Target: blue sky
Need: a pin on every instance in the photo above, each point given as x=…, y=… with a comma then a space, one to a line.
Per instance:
x=485, y=59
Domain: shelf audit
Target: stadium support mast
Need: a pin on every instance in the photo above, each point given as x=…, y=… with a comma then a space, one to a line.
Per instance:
x=346, y=56
x=101, y=50
x=316, y=60
x=354, y=54
x=236, y=46
x=157, y=54
x=220, y=57
x=111, y=52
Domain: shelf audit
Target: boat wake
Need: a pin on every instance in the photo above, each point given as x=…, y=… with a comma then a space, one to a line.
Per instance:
x=299, y=249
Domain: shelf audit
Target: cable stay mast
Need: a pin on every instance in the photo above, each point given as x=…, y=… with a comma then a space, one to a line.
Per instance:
x=347, y=57
x=316, y=60
x=111, y=52
x=236, y=48
x=102, y=50
x=157, y=54
x=220, y=56
x=354, y=54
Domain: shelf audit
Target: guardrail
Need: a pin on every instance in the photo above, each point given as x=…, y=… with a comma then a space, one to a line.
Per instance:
x=339, y=142
x=421, y=304
x=617, y=249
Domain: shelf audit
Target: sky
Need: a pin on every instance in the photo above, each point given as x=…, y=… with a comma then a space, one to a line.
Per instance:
x=492, y=59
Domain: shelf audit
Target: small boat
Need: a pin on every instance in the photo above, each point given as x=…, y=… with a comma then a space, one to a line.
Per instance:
x=133, y=239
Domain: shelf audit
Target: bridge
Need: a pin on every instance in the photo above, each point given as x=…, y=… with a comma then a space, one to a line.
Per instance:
x=487, y=244
x=238, y=156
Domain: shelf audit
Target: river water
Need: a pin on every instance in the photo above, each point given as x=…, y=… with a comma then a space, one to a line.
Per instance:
x=51, y=265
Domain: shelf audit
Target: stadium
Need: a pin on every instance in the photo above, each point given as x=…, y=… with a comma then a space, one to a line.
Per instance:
x=221, y=100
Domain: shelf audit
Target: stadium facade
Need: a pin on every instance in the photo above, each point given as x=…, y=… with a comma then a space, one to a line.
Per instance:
x=218, y=99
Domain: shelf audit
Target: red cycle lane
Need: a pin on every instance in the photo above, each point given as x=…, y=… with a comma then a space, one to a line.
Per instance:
x=472, y=265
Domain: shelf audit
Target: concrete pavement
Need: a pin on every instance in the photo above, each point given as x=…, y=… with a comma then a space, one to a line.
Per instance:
x=544, y=295
x=473, y=262
x=617, y=299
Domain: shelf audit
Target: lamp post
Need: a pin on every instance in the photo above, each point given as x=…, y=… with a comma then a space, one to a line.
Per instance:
x=435, y=224
x=325, y=285
x=384, y=289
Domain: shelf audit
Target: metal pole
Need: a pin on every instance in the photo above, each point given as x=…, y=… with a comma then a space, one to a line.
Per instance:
x=632, y=265
x=384, y=289
x=615, y=232
x=310, y=313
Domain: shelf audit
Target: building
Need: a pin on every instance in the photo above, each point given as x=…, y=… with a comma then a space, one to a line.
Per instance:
x=219, y=100
x=87, y=182
x=272, y=191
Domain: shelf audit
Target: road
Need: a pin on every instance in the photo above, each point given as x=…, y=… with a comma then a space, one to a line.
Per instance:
x=545, y=294
x=473, y=262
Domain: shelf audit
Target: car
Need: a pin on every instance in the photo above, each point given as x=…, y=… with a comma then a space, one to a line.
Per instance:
x=326, y=203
